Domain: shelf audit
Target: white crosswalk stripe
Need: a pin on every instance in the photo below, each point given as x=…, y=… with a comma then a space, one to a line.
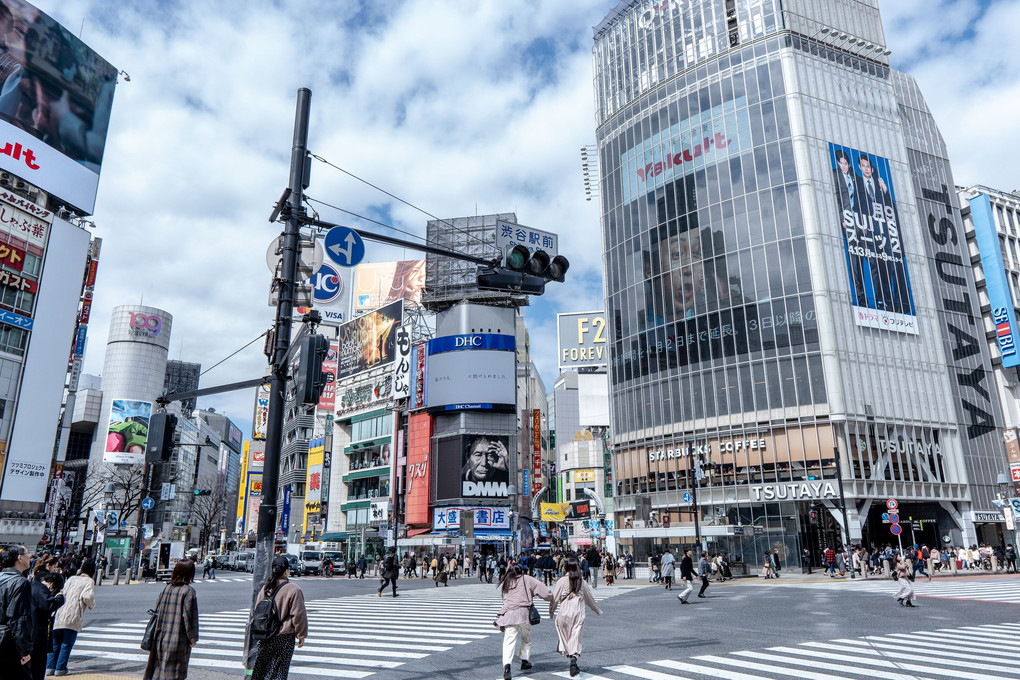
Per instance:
x=348, y=637
x=983, y=589
x=966, y=653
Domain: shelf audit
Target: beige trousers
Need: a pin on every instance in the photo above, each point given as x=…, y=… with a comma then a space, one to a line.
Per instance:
x=512, y=635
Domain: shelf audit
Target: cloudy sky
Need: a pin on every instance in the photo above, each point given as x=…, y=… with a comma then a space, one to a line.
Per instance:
x=458, y=106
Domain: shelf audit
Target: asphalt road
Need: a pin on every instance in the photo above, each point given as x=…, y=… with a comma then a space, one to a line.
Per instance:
x=640, y=627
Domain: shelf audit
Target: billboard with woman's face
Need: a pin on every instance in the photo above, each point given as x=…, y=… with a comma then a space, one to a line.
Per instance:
x=55, y=99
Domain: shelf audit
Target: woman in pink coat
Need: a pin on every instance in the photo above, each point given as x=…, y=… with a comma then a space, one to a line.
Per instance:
x=518, y=592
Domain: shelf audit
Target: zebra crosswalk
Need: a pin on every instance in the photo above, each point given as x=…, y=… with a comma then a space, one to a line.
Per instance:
x=983, y=589
x=968, y=653
x=348, y=637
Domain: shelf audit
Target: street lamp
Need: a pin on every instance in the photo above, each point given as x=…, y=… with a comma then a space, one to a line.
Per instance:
x=511, y=491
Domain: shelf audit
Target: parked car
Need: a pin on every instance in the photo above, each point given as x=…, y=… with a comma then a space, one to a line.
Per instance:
x=295, y=565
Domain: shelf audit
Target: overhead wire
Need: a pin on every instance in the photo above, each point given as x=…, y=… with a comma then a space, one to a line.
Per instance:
x=367, y=219
x=260, y=335
x=407, y=203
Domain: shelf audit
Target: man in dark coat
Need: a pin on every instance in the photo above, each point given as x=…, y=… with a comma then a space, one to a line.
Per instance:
x=16, y=613
x=390, y=572
x=687, y=576
x=46, y=600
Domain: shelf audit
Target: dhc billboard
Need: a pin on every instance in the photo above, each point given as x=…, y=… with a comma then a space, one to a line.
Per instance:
x=1003, y=315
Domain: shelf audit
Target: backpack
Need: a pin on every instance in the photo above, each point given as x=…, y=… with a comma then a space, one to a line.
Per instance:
x=265, y=620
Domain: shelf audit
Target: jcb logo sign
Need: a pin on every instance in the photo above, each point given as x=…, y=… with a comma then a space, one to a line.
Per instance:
x=146, y=324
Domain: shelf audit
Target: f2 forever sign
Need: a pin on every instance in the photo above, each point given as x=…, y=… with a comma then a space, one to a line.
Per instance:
x=582, y=339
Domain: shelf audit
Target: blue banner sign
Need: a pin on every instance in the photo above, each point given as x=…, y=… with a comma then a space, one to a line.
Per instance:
x=1003, y=315
x=452, y=343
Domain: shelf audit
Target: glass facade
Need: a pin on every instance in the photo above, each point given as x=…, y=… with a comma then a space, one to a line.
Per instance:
x=773, y=297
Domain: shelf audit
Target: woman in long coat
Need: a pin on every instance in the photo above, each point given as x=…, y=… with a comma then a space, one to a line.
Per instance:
x=571, y=594
x=176, y=626
x=667, y=569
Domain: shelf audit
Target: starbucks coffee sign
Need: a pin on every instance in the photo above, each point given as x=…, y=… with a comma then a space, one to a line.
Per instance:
x=796, y=491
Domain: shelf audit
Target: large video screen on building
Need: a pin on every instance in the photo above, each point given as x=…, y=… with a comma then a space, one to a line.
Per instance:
x=471, y=379
x=368, y=341
x=55, y=99
x=870, y=224
x=473, y=466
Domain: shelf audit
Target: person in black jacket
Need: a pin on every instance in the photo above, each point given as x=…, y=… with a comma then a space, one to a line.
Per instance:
x=16, y=613
x=687, y=576
x=390, y=571
x=46, y=600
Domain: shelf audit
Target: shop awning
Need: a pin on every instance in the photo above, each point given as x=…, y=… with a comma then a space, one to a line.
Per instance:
x=416, y=532
x=334, y=537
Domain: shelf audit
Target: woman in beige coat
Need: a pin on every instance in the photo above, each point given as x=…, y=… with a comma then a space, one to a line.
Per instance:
x=571, y=594
x=519, y=590
x=79, y=595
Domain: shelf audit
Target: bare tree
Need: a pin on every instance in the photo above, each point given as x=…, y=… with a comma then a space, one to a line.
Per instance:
x=207, y=512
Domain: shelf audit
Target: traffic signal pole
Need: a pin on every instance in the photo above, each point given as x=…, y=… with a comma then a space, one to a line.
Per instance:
x=291, y=211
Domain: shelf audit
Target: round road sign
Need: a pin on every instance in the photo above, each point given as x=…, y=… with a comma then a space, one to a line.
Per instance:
x=892, y=504
x=687, y=496
x=344, y=246
x=896, y=529
x=894, y=518
x=148, y=504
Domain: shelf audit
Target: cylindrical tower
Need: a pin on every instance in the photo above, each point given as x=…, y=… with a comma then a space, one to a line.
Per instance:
x=774, y=301
x=134, y=371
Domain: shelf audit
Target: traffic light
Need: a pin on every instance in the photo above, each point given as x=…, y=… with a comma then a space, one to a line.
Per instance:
x=202, y=492
x=160, y=443
x=814, y=517
x=536, y=263
x=523, y=271
x=309, y=380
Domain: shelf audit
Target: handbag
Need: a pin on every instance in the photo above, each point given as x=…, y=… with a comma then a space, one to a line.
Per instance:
x=534, y=618
x=150, y=631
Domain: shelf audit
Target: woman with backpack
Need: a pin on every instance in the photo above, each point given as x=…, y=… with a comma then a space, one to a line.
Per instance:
x=571, y=594
x=176, y=626
x=518, y=591
x=278, y=622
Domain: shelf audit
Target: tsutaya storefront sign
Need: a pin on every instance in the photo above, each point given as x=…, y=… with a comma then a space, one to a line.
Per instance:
x=794, y=491
x=706, y=449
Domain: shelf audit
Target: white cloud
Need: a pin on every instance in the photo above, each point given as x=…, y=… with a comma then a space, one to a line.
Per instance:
x=454, y=106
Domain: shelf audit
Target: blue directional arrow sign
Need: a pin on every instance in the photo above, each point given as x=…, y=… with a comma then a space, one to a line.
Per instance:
x=148, y=504
x=687, y=497
x=344, y=246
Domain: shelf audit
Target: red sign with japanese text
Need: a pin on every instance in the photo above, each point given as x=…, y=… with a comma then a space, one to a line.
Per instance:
x=12, y=256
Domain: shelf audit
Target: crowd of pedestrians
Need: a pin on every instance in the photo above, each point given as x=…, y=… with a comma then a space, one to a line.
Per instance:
x=42, y=611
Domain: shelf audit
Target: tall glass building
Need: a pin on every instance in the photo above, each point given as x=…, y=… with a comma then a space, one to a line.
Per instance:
x=788, y=287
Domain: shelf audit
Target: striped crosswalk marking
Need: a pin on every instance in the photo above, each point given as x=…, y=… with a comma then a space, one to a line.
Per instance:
x=348, y=637
x=966, y=653
x=988, y=589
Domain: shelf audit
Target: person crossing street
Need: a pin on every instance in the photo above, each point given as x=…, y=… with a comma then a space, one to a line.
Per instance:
x=390, y=572
x=687, y=576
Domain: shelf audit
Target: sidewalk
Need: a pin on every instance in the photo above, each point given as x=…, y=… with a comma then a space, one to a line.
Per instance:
x=103, y=676
x=818, y=575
